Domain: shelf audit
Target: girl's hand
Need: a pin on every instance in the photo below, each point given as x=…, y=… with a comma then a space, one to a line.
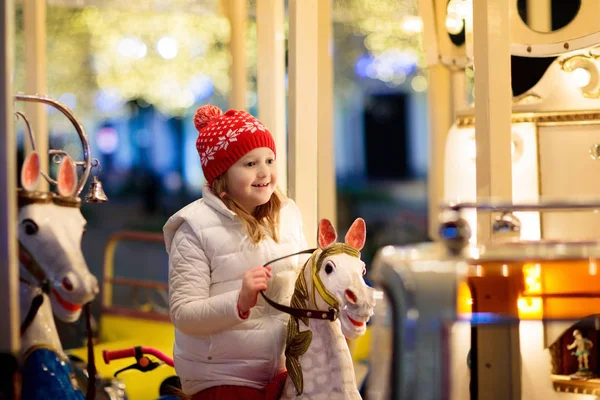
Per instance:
x=254, y=281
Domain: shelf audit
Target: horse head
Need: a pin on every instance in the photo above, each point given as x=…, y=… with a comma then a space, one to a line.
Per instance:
x=337, y=277
x=50, y=230
x=332, y=287
x=332, y=279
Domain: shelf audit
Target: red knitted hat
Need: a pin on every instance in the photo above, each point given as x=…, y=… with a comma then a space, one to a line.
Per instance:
x=225, y=138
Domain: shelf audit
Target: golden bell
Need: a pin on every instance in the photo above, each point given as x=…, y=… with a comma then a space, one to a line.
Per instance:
x=96, y=193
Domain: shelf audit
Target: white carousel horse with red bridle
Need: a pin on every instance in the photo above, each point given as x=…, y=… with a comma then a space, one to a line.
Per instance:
x=54, y=278
x=332, y=302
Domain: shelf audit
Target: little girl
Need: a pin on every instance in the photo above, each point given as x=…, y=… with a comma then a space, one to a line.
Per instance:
x=228, y=342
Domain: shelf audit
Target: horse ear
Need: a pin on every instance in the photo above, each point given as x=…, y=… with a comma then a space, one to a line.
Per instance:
x=30, y=172
x=327, y=233
x=67, y=177
x=357, y=234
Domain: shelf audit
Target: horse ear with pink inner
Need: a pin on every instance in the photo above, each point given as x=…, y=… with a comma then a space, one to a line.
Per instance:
x=67, y=177
x=357, y=234
x=327, y=234
x=30, y=172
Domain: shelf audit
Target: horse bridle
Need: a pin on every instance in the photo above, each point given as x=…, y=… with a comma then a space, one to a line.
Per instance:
x=34, y=268
x=331, y=314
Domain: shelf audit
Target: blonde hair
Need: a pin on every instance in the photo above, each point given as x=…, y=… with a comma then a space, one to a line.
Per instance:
x=265, y=215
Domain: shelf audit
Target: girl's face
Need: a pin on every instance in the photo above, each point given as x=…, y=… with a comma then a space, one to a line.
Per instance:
x=252, y=179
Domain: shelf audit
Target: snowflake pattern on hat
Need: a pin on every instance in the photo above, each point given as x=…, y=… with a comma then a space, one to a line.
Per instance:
x=221, y=134
x=209, y=154
x=227, y=138
x=253, y=126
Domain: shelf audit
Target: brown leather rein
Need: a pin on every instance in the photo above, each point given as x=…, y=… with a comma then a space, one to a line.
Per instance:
x=331, y=314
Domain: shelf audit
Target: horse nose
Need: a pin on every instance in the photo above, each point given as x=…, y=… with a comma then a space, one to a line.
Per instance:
x=86, y=283
x=371, y=296
x=93, y=284
x=350, y=296
x=67, y=284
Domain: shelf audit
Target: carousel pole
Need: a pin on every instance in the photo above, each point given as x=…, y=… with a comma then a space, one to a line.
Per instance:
x=459, y=92
x=237, y=12
x=326, y=185
x=493, y=101
x=497, y=360
x=271, y=78
x=9, y=273
x=34, y=24
x=439, y=98
x=303, y=112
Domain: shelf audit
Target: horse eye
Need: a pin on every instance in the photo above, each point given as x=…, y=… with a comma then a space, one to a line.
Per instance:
x=31, y=227
x=328, y=268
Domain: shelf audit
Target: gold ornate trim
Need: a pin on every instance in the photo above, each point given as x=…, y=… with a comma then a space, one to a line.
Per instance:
x=542, y=118
x=72, y=201
x=563, y=384
x=26, y=198
x=43, y=346
x=527, y=98
x=332, y=250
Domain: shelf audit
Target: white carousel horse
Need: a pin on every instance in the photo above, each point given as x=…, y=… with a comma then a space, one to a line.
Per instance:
x=52, y=271
x=317, y=355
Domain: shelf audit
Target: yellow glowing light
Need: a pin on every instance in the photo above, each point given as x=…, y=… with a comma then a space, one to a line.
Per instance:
x=532, y=277
x=581, y=77
x=462, y=8
x=419, y=83
x=479, y=271
x=532, y=274
x=454, y=24
x=464, y=301
x=412, y=24
x=530, y=307
x=132, y=47
x=157, y=57
x=67, y=36
x=377, y=21
x=167, y=47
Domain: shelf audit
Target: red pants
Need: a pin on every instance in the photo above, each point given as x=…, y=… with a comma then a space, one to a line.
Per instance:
x=229, y=392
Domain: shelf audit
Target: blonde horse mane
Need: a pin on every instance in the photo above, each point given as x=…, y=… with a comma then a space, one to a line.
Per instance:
x=297, y=343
